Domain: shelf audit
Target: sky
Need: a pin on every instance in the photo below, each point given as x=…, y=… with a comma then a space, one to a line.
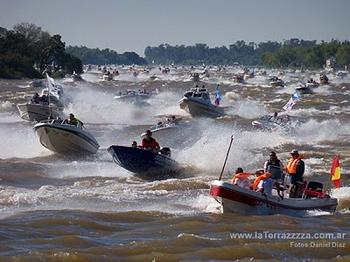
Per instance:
x=132, y=25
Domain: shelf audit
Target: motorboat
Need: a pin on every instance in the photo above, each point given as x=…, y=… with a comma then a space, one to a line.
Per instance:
x=197, y=102
x=236, y=199
x=63, y=138
x=107, y=76
x=312, y=84
x=195, y=77
x=143, y=161
x=304, y=90
x=39, y=111
x=170, y=123
x=238, y=78
x=135, y=94
x=269, y=122
x=246, y=73
x=49, y=104
x=276, y=82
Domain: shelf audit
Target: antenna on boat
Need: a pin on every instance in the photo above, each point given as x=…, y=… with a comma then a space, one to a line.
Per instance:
x=228, y=152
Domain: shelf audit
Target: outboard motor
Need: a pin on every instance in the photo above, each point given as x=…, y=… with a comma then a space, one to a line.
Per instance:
x=165, y=151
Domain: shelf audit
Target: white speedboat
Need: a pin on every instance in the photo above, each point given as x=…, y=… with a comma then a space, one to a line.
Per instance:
x=107, y=77
x=44, y=106
x=276, y=82
x=304, y=90
x=63, y=138
x=134, y=94
x=39, y=111
x=246, y=201
x=270, y=122
x=312, y=84
x=197, y=102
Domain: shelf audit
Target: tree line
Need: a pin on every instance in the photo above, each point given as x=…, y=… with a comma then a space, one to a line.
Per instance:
x=28, y=51
x=289, y=53
x=98, y=56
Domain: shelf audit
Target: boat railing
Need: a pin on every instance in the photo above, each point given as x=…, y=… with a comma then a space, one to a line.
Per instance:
x=62, y=122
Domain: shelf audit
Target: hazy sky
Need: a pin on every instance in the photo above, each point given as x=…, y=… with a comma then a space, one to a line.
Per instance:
x=131, y=25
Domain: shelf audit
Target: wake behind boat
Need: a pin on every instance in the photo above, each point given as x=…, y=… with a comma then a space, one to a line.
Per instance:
x=63, y=138
x=197, y=102
x=143, y=161
x=234, y=198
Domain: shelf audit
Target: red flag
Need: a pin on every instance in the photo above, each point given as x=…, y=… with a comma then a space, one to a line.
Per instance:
x=335, y=172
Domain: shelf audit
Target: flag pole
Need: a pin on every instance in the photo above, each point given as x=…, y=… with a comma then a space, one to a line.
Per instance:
x=48, y=95
x=228, y=151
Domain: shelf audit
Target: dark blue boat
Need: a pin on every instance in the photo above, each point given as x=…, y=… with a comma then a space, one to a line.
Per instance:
x=142, y=161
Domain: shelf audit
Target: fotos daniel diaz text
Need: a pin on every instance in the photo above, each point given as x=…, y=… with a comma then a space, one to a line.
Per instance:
x=320, y=239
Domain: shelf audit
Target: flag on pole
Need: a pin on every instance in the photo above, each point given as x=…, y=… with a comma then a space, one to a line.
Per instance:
x=289, y=105
x=50, y=82
x=292, y=101
x=335, y=172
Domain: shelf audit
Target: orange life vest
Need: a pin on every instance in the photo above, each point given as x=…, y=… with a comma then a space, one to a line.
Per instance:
x=240, y=176
x=259, y=178
x=292, y=165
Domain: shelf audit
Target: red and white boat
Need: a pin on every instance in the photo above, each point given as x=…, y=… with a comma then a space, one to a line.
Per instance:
x=245, y=201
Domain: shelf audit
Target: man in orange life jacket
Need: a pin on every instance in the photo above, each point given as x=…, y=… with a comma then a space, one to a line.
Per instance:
x=295, y=167
x=241, y=178
x=263, y=182
x=149, y=142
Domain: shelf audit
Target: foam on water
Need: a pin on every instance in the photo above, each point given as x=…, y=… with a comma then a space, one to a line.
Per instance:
x=248, y=109
x=20, y=142
x=7, y=105
x=209, y=151
x=309, y=132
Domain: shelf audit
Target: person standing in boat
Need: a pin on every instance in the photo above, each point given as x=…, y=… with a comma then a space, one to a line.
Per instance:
x=275, y=167
x=149, y=142
x=296, y=169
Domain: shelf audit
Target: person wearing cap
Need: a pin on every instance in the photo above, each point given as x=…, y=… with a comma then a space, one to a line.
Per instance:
x=149, y=142
x=296, y=169
x=274, y=166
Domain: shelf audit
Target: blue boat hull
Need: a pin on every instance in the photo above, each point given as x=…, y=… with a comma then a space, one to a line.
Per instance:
x=143, y=162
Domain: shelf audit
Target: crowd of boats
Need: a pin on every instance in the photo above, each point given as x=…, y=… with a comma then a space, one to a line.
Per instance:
x=67, y=135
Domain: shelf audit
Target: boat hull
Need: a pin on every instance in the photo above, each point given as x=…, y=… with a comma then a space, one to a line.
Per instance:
x=143, y=162
x=199, y=109
x=38, y=112
x=239, y=200
x=66, y=139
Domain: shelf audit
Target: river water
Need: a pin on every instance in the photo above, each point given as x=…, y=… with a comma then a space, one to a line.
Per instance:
x=61, y=209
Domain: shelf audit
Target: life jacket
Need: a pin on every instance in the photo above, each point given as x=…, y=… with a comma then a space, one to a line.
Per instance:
x=240, y=176
x=292, y=165
x=259, y=178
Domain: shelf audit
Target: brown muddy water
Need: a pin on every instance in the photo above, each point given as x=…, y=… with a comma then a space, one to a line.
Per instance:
x=56, y=208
